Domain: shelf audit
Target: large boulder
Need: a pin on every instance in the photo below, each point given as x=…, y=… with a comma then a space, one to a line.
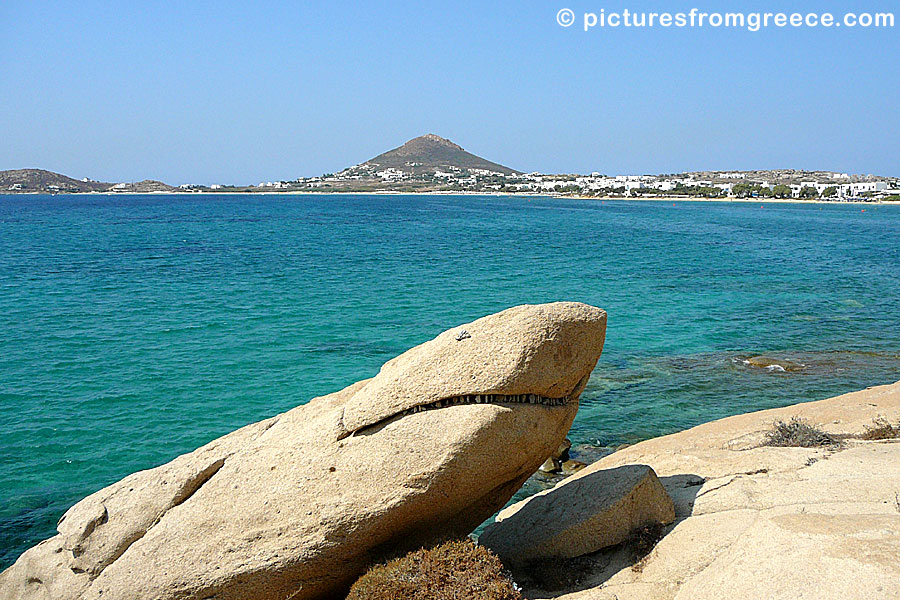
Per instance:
x=299, y=505
x=581, y=515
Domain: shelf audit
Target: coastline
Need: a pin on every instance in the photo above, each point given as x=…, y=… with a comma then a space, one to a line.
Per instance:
x=742, y=503
x=739, y=200
x=475, y=194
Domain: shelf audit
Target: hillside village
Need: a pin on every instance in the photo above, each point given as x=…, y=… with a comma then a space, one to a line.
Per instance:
x=433, y=164
x=753, y=184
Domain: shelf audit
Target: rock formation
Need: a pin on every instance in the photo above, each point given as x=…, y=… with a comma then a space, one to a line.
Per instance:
x=766, y=523
x=778, y=365
x=554, y=463
x=300, y=504
x=579, y=516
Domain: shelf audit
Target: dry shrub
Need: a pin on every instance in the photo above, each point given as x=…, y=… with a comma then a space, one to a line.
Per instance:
x=881, y=429
x=797, y=433
x=457, y=570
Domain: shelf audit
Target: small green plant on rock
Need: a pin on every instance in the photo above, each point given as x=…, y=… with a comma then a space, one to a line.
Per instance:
x=457, y=570
x=798, y=433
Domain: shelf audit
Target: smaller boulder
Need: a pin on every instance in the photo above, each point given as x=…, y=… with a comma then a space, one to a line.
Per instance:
x=555, y=463
x=570, y=467
x=551, y=465
x=562, y=452
x=585, y=513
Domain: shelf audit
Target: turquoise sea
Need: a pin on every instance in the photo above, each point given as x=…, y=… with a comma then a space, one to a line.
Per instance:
x=136, y=328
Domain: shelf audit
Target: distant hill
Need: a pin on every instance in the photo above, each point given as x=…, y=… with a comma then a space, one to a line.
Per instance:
x=142, y=187
x=39, y=180
x=47, y=182
x=431, y=152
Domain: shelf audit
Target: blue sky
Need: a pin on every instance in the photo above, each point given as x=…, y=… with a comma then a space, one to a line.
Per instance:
x=239, y=92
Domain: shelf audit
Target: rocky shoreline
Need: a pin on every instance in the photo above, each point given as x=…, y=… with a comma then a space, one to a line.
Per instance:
x=756, y=521
x=300, y=505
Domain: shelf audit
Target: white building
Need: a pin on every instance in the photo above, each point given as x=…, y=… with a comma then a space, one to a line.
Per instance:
x=391, y=174
x=864, y=187
x=666, y=185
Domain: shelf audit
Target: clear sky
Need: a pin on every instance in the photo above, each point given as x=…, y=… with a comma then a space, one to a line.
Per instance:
x=243, y=92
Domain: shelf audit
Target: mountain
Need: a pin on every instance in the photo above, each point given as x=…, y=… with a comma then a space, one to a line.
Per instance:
x=429, y=153
x=47, y=182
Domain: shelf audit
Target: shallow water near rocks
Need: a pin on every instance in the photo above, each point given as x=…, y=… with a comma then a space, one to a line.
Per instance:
x=136, y=328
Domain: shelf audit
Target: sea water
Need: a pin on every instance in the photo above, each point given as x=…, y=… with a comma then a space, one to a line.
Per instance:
x=136, y=328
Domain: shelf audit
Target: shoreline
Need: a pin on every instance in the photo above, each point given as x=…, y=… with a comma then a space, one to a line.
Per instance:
x=741, y=504
x=491, y=194
x=743, y=200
